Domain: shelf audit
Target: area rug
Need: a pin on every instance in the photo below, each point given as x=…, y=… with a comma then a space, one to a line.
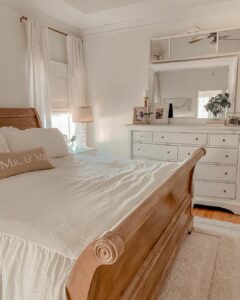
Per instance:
x=207, y=266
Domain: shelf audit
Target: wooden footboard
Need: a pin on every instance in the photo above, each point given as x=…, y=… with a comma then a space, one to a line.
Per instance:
x=132, y=260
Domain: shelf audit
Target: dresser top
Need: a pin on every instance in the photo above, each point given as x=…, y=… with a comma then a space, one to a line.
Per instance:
x=186, y=128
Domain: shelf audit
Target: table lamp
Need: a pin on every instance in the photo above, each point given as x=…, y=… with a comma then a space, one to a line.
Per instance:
x=83, y=115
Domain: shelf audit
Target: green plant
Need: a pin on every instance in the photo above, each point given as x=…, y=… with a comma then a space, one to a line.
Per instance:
x=217, y=104
x=148, y=114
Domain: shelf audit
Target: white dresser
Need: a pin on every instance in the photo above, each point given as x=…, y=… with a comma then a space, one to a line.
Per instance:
x=217, y=176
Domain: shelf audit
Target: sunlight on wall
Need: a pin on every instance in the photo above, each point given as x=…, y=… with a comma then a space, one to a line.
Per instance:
x=111, y=136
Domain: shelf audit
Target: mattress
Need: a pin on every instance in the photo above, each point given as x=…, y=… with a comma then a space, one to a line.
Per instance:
x=48, y=217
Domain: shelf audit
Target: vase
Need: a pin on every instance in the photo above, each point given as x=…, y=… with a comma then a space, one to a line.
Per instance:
x=225, y=111
x=221, y=115
x=217, y=116
x=147, y=120
x=170, y=111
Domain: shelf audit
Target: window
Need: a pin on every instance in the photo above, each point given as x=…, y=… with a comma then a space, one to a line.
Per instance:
x=62, y=122
x=203, y=98
x=61, y=116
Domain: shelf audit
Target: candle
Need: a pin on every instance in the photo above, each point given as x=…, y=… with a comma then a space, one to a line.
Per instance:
x=145, y=94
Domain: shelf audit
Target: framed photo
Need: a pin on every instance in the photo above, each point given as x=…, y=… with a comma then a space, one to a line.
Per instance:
x=138, y=115
x=233, y=119
x=160, y=113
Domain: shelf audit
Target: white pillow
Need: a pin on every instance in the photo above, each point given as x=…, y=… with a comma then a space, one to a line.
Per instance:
x=4, y=130
x=51, y=139
x=3, y=144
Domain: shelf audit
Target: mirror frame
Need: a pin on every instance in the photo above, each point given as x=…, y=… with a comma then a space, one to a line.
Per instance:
x=230, y=61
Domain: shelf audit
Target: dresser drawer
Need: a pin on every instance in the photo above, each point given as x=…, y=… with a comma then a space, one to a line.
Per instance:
x=213, y=155
x=212, y=172
x=155, y=151
x=216, y=190
x=180, y=138
x=142, y=136
x=224, y=140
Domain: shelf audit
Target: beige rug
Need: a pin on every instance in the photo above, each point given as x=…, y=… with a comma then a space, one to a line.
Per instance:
x=208, y=265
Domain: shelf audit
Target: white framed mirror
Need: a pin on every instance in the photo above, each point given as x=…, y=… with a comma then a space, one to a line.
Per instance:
x=190, y=84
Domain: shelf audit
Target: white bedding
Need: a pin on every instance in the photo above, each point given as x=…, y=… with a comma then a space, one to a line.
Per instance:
x=48, y=217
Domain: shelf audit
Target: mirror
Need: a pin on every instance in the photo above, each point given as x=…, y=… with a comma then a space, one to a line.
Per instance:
x=189, y=85
x=192, y=46
x=229, y=41
x=195, y=45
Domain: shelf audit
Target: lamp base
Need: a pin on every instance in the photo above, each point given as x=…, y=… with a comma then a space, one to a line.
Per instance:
x=78, y=149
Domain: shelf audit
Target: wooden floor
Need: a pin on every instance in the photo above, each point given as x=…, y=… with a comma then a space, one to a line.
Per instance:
x=216, y=214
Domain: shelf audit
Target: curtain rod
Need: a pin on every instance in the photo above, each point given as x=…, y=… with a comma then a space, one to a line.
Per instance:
x=50, y=28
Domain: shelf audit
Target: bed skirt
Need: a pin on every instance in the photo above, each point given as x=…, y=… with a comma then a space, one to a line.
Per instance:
x=29, y=271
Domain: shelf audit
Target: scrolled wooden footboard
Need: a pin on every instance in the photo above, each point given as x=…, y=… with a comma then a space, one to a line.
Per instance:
x=132, y=260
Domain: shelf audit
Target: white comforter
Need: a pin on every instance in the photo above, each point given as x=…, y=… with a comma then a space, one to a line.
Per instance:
x=48, y=217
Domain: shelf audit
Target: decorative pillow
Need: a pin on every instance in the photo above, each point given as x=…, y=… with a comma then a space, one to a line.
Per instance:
x=4, y=130
x=3, y=144
x=14, y=163
x=51, y=139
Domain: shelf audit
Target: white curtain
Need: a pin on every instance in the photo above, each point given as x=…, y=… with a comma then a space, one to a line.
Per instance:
x=38, y=70
x=156, y=88
x=76, y=72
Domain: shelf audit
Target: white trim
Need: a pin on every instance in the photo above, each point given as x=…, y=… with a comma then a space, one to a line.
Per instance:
x=192, y=64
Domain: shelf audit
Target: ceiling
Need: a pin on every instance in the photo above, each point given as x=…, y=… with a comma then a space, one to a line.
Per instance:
x=91, y=6
x=90, y=15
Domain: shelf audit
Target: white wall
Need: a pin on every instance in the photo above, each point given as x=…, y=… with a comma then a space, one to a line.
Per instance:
x=117, y=69
x=13, y=51
x=12, y=60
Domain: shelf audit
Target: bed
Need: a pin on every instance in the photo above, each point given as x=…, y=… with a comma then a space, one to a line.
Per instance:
x=126, y=250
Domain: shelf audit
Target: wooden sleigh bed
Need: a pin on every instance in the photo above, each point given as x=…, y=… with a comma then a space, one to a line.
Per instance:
x=132, y=260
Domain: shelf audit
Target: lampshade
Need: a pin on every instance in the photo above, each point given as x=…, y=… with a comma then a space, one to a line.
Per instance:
x=145, y=93
x=82, y=114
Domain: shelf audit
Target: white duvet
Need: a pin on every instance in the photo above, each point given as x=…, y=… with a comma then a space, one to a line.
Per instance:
x=48, y=217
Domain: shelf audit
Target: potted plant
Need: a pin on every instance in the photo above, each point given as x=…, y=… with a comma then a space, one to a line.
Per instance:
x=218, y=105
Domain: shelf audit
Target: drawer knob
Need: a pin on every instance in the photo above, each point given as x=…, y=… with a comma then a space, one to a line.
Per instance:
x=227, y=156
x=226, y=173
x=189, y=153
x=224, y=140
x=224, y=191
x=162, y=137
x=138, y=149
x=168, y=152
x=196, y=139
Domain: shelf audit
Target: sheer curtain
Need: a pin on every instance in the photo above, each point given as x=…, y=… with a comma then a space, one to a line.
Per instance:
x=156, y=88
x=76, y=84
x=76, y=72
x=38, y=70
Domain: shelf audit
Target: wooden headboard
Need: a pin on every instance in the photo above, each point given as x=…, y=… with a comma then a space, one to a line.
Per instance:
x=21, y=118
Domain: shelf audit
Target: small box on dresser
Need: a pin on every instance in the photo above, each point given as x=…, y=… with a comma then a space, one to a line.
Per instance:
x=217, y=178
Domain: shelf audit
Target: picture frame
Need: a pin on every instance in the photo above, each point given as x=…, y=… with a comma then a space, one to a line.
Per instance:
x=138, y=115
x=233, y=119
x=160, y=113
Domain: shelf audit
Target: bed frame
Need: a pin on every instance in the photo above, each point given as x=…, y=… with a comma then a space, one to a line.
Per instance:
x=22, y=118
x=132, y=260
